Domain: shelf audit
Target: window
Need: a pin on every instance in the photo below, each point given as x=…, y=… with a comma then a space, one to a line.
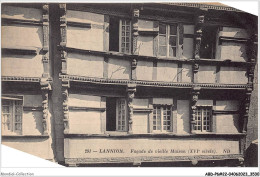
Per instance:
x=203, y=119
x=168, y=40
x=121, y=115
x=120, y=35
x=12, y=111
x=116, y=114
x=208, y=42
x=125, y=37
x=162, y=118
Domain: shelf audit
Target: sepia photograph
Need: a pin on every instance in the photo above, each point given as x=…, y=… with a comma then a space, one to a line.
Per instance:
x=159, y=84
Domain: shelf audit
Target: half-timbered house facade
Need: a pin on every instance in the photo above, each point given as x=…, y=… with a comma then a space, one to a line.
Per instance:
x=128, y=84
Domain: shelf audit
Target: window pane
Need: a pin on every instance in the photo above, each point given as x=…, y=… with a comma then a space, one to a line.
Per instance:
x=12, y=118
x=5, y=109
x=18, y=119
x=173, y=40
x=125, y=36
x=6, y=121
x=162, y=40
x=121, y=115
x=18, y=126
x=157, y=118
x=203, y=118
x=162, y=29
x=162, y=50
x=158, y=123
x=18, y=110
x=167, y=118
x=172, y=51
x=173, y=30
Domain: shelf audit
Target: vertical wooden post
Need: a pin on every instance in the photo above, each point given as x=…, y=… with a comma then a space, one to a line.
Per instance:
x=45, y=88
x=218, y=73
x=106, y=33
x=155, y=39
x=195, y=68
x=253, y=48
x=133, y=69
x=179, y=72
x=198, y=34
x=131, y=89
x=103, y=114
x=63, y=43
x=181, y=31
x=252, y=52
x=249, y=90
x=65, y=82
x=199, y=28
x=105, y=67
x=174, y=116
x=65, y=96
x=154, y=74
x=195, y=91
x=45, y=80
x=135, y=33
x=45, y=57
x=135, y=48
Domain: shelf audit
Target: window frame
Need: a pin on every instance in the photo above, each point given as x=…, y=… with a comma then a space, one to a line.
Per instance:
x=12, y=99
x=162, y=106
x=121, y=119
x=168, y=35
x=208, y=109
x=120, y=35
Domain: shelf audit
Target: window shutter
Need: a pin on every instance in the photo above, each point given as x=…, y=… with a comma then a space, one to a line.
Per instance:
x=186, y=41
